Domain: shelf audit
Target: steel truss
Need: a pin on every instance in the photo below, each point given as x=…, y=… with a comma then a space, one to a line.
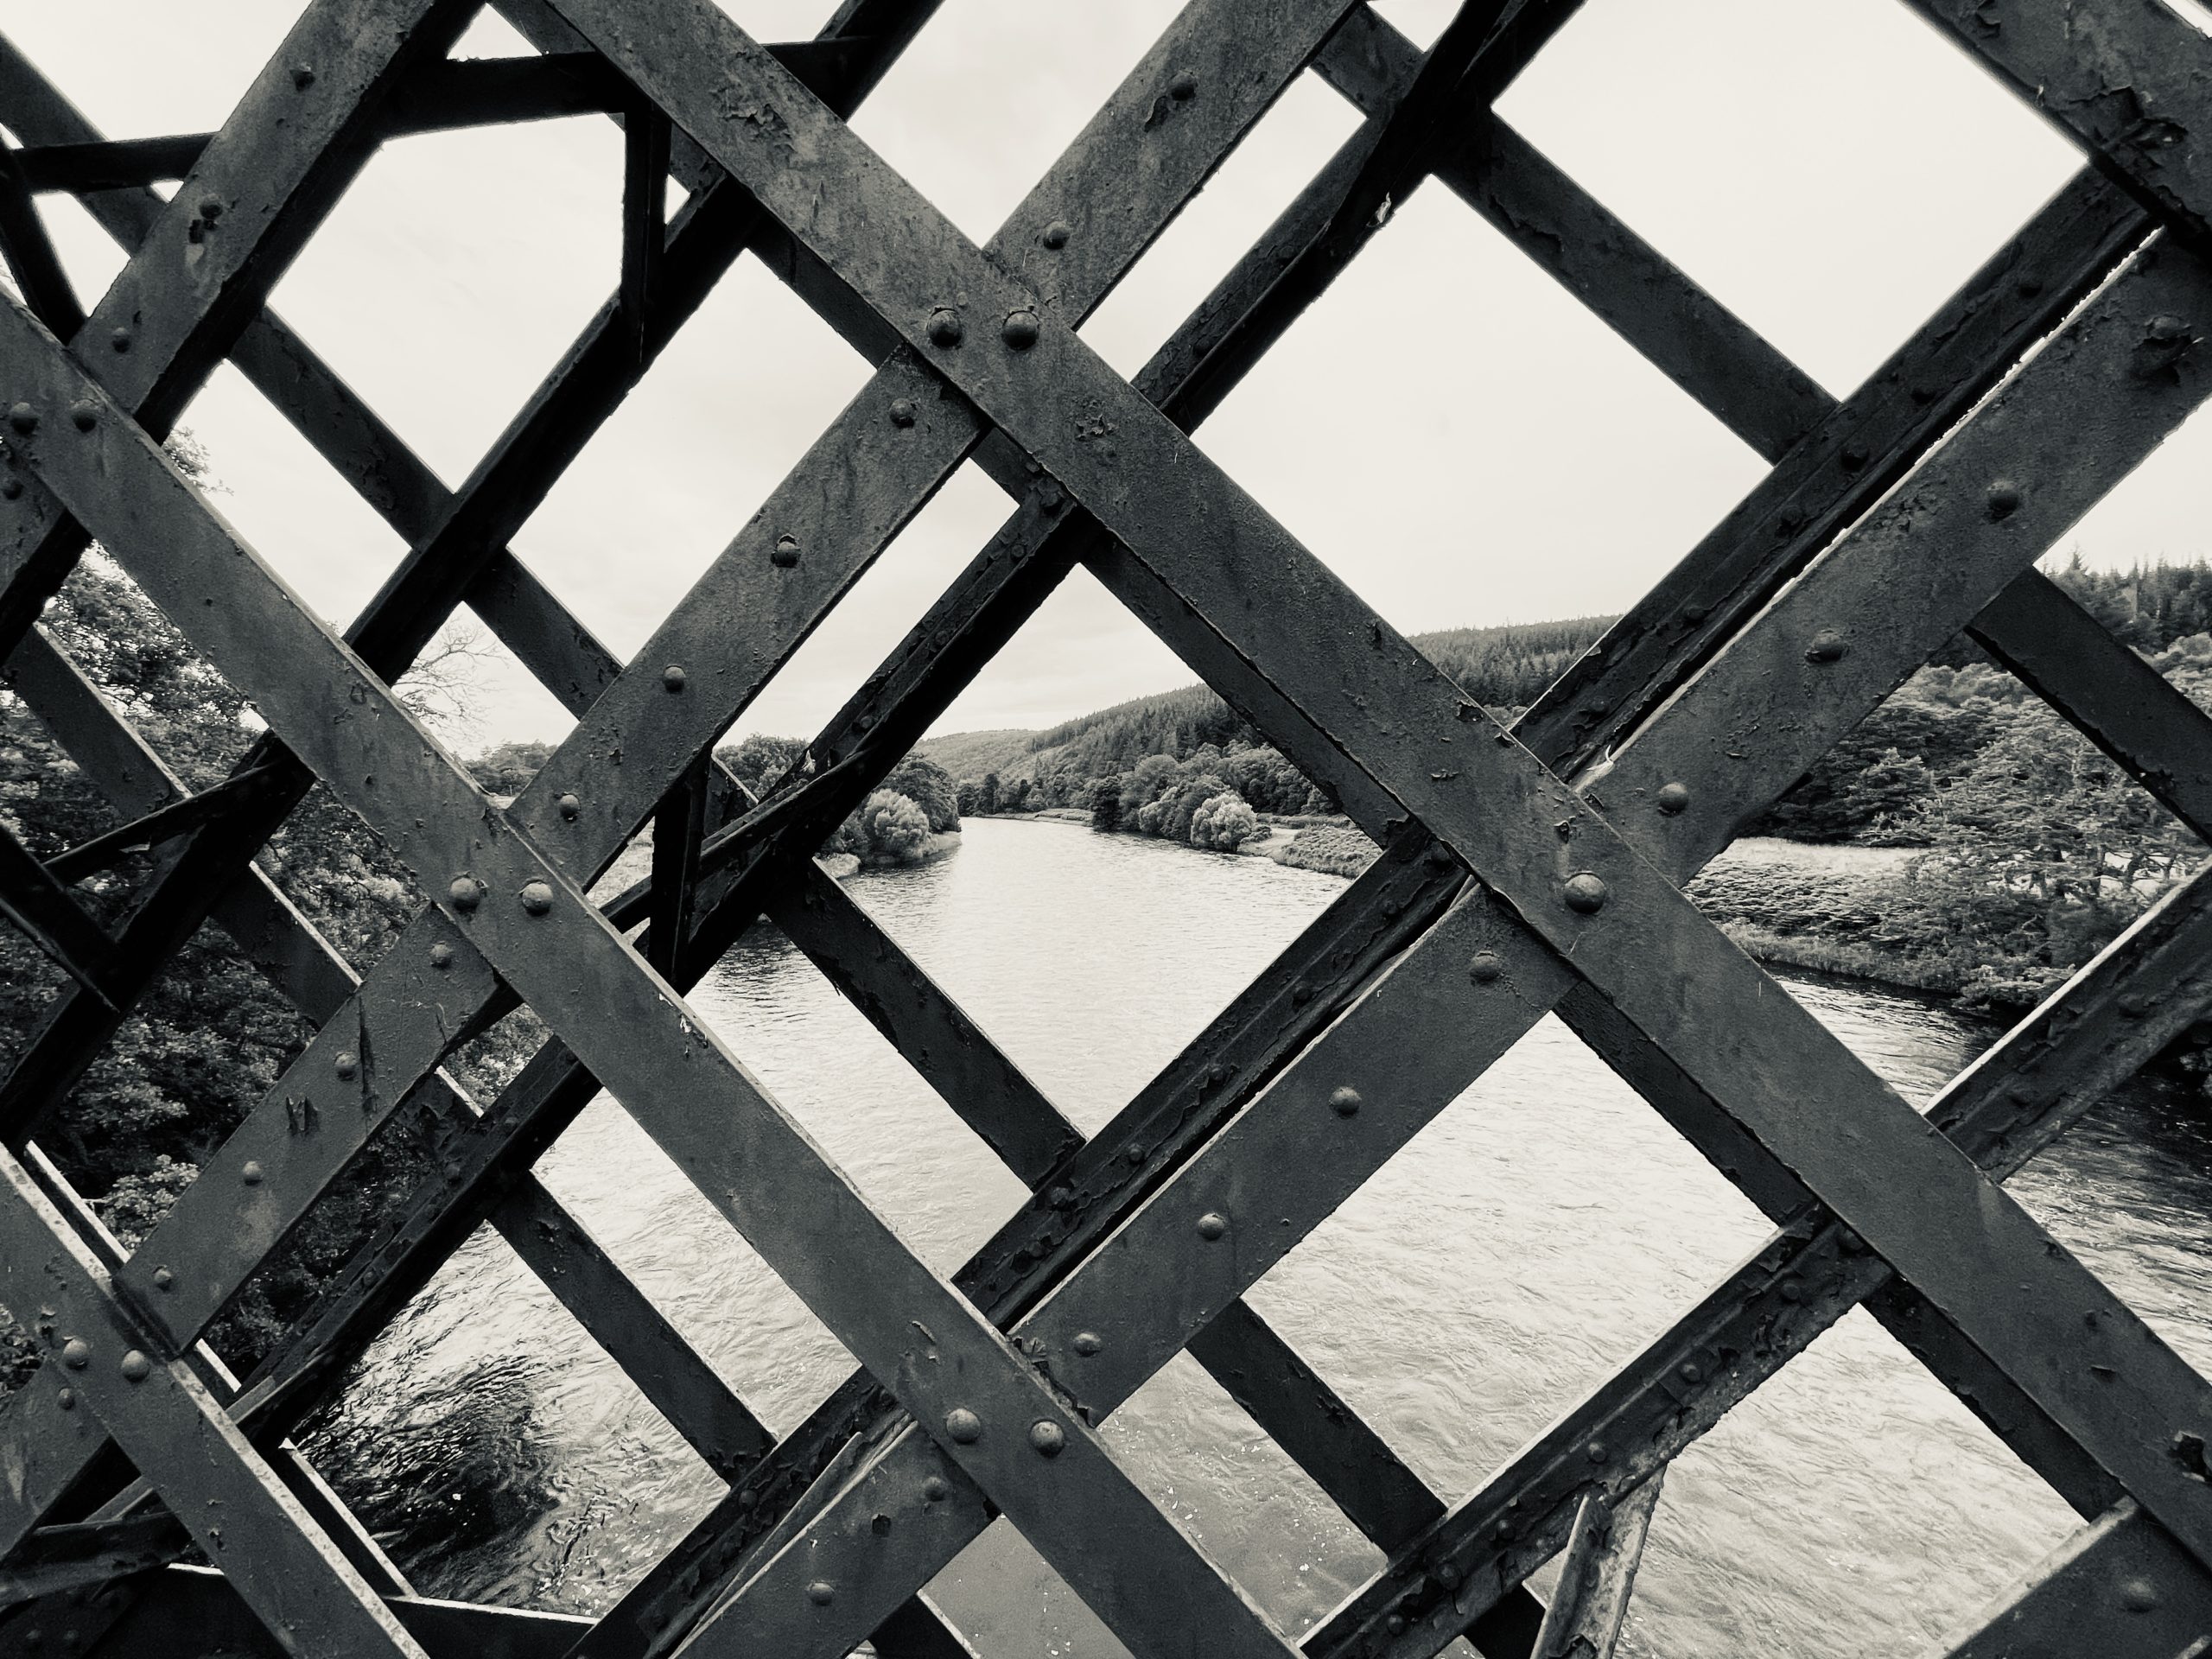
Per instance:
x=1527, y=870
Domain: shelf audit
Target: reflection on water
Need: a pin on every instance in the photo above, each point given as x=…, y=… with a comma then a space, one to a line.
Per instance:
x=1529, y=1240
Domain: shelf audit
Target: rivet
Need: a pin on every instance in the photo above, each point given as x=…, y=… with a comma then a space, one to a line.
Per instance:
x=1826, y=646
x=303, y=77
x=569, y=806
x=1395, y=1625
x=1447, y=1575
x=2027, y=287
x=465, y=894
x=1440, y=856
x=76, y=1353
x=822, y=1593
x=2139, y=1595
x=934, y=1489
x=1852, y=1244
x=1212, y=1225
x=346, y=1066
x=137, y=1368
x=120, y=339
x=1057, y=233
x=1344, y=1103
x=945, y=327
x=2135, y=1005
x=1061, y=1198
x=2004, y=499
x=879, y=1523
x=84, y=414
x=66, y=1399
x=1046, y=1438
x=1088, y=1343
x=964, y=1425
x=1672, y=798
x=1585, y=893
x=1134, y=1154
x=1484, y=967
x=23, y=418
x=1301, y=993
x=784, y=555
x=536, y=896
x=210, y=207
x=1791, y=1291
x=442, y=956
x=251, y=1174
x=1854, y=457
x=1691, y=1373
x=902, y=411
x=1019, y=330
x=1184, y=87
x=1596, y=1452
x=672, y=679
x=11, y=487
x=164, y=1278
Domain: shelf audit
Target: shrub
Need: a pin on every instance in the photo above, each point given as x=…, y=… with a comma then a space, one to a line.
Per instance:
x=1223, y=824
x=893, y=829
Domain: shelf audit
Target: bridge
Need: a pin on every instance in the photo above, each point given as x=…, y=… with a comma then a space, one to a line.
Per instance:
x=153, y=1501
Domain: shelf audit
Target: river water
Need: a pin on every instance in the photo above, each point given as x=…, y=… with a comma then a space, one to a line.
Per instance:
x=1532, y=1237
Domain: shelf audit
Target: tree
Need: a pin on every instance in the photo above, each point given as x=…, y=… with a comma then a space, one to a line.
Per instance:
x=1223, y=824
x=895, y=830
x=930, y=787
x=989, y=801
x=1106, y=805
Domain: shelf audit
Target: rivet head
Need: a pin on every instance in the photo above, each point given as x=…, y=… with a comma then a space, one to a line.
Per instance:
x=1395, y=1625
x=1854, y=457
x=465, y=894
x=1019, y=330
x=164, y=1278
x=251, y=1174
x=1584, y=892
x=442, y=956
x=879, y=1523
x=1344, y=1103
x=120, y=339
x=2139, y=1595
x=536, y=896
x=945, y=327
x=1061, y=1198
x=346, y=1064
x=137, y=1368
x=1134, y=1154
x=1672, y=798
x=1791, y=1291
x=10, y=487
x=1046, y=1438
x=1212, y=1225
x=66, y=1399
x=1484, y=967
x=1445, y=1574
x=784, y=555
x=822, y=1593
x=2004, y=499
x=1596, y=1452
x=76, y=1353
x=934, y=1489
x=303, y=77
x=1691, y=1372
x=1184, y=87
x=963, y=1425
x=1057, y=233
x=569, y=806
x=210, y=207
x=1088, y=1343
x=23, y=418
x=673, y=679
x=902, y=411
x=1826, y=646
x=1851, y=1243
x=84, y=414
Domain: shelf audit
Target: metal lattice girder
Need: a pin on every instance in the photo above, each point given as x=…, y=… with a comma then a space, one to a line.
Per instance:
x=1378, y=782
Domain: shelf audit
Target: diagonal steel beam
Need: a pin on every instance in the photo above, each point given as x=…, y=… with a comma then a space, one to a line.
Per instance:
x=2120, y=1587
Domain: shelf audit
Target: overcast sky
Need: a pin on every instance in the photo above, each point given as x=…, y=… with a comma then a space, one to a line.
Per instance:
x=1451, y=432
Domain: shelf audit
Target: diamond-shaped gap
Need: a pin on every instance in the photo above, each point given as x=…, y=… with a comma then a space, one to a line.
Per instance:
x=1270, y=165
x=988, y=95
x=1508, y=1257
x=1514, y=460
x=497, y=1452
x=1851, y=1506
x=1831, y=217
x=748, y=384
x=456, y=272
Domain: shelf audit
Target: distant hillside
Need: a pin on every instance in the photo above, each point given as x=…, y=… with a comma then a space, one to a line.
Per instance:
x=1500, y=667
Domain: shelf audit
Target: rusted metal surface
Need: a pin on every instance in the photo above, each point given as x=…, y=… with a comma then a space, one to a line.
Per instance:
x=1928, y=497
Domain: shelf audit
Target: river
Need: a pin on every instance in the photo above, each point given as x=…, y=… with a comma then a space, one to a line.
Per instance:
x=1532, y=1237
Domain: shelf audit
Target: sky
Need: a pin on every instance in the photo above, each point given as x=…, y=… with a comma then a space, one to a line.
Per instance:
x=1447, y=428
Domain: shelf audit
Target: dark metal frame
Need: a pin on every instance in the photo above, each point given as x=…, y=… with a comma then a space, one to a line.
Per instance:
x=1526, y=871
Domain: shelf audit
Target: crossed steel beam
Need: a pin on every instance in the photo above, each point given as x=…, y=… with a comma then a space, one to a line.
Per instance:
x=1105, y=559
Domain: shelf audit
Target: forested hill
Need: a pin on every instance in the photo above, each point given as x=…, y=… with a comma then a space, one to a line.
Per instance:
x=1500, y=667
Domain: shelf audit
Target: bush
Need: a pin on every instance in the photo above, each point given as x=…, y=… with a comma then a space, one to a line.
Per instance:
x=1223, y=824
x=1106, y=805
x=893, y=829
